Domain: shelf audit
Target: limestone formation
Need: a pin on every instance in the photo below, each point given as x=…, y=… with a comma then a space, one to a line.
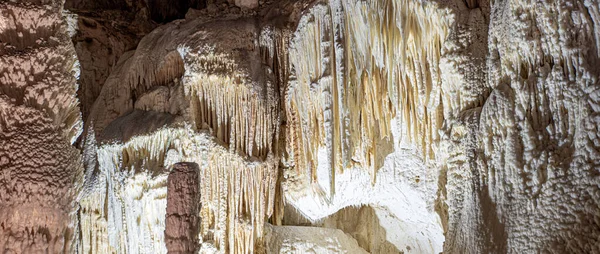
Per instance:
x=182, y=222
x=300, y=126
x=39, y=121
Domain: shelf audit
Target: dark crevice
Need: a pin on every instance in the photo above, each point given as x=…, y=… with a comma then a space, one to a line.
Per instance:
x=163, y=11
x=472, y=4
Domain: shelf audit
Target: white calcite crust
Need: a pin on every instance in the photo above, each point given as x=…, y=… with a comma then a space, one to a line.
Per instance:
x=294, y=239
x=187, y=97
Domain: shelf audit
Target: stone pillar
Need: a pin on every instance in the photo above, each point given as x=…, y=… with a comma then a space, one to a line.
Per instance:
x=183, y=198
x=40, y=169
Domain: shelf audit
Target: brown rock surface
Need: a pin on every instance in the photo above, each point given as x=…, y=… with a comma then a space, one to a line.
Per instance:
x=39, y=120
x=183, y=197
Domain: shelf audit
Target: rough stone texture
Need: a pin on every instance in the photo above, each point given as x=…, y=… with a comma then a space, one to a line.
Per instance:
x=183, y=201
x=538, y=143
x=250, y=4
x=101, y=38
x=40, y=170
x=202, y=101
x=314, y=240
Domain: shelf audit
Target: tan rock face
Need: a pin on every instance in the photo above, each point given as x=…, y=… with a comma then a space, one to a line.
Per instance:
x=100, y=40
x=39, y=120
x=250, y=4
x=183, y=200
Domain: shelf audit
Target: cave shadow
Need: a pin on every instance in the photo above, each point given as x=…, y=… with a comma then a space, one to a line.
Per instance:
x=362, y=223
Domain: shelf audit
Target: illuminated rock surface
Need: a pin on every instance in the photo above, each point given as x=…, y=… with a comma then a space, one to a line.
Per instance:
x=183, y=196
x=39, y=121
x=336, y=126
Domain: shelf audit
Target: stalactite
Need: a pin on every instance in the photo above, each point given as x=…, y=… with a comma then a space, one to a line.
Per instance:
x=396, y=53
x=233, y=113
x=237, y=195
x=390, y=68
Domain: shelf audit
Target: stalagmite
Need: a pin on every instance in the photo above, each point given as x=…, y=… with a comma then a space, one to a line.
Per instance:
x=182, y=222
x=197, y=92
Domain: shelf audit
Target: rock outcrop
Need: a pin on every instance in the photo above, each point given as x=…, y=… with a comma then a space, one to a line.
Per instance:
x=39, y=121
x=183, y=200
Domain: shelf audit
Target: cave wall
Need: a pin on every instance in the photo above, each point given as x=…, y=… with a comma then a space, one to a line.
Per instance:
x=159, y=11
x=39, y=121
x=454, y=126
